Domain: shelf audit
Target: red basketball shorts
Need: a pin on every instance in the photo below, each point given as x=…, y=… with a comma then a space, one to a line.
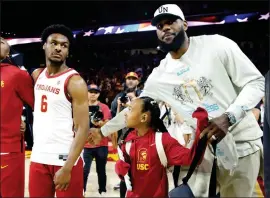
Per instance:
x=41, y=181
x=12, y=175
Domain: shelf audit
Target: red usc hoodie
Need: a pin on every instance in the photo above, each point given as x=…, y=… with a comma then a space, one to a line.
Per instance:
x=148, y=176
x=16, y=88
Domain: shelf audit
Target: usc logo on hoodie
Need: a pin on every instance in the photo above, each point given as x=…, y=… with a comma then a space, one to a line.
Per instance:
x=142, y=158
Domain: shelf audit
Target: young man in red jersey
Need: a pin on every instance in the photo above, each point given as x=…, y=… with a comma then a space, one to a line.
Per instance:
x=16, y=89
x=61, y=121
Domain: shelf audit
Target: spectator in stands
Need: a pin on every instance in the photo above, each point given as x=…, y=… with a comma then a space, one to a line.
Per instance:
x=99, y=152
x=139, y=72
x=132, y=81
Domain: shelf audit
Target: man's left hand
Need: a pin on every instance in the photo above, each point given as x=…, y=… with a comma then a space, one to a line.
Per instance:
x=217, y=129
x=61, y=179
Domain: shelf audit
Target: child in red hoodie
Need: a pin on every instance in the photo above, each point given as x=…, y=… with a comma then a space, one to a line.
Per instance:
x=141, y=162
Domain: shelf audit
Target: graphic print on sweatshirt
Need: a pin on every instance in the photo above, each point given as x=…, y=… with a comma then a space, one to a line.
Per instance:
x=142, y=159
x=200, y=88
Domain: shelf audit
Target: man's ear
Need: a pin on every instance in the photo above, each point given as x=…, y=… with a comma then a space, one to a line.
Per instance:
x=44, y=46
x=185, y=24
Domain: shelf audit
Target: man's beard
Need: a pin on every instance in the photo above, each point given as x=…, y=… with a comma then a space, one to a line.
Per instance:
x=56, y=63
x=177, y=42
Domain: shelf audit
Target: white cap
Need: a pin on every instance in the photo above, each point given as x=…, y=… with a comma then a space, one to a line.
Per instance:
x=167, y=10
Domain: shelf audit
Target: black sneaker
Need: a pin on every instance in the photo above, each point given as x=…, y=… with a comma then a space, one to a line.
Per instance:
x=117, y=187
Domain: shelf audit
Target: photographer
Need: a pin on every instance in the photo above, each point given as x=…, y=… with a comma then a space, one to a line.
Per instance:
x=125, y=99
x=99, y=114
x=132, y=81
x=121, y=99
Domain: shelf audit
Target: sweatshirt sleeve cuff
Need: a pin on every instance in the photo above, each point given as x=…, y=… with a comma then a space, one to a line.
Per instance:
x=238, y=112
x=104, y=131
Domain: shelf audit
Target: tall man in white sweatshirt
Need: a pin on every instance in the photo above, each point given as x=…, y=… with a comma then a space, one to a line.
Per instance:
x=211, y=72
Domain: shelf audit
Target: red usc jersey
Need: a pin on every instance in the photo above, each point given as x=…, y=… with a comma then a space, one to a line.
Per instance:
x=16, y=89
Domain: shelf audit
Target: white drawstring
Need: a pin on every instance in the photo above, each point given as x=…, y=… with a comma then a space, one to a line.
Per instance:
x=126, y=177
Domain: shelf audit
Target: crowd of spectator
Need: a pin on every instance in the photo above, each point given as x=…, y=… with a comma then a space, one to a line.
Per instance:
x=108, y=70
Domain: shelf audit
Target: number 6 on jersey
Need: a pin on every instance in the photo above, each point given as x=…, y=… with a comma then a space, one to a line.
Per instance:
x=44, y=103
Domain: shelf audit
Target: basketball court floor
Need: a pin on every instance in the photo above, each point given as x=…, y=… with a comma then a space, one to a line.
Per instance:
x=112, y=180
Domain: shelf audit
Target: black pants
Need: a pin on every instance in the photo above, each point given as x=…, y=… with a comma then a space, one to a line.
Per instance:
x=176, y=174
x=123, y=189
x=100, y=154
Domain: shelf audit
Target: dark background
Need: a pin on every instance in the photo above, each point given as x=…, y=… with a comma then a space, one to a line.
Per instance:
x=29, y=18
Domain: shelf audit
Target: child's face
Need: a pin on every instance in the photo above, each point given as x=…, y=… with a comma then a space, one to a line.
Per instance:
x=134, y=117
